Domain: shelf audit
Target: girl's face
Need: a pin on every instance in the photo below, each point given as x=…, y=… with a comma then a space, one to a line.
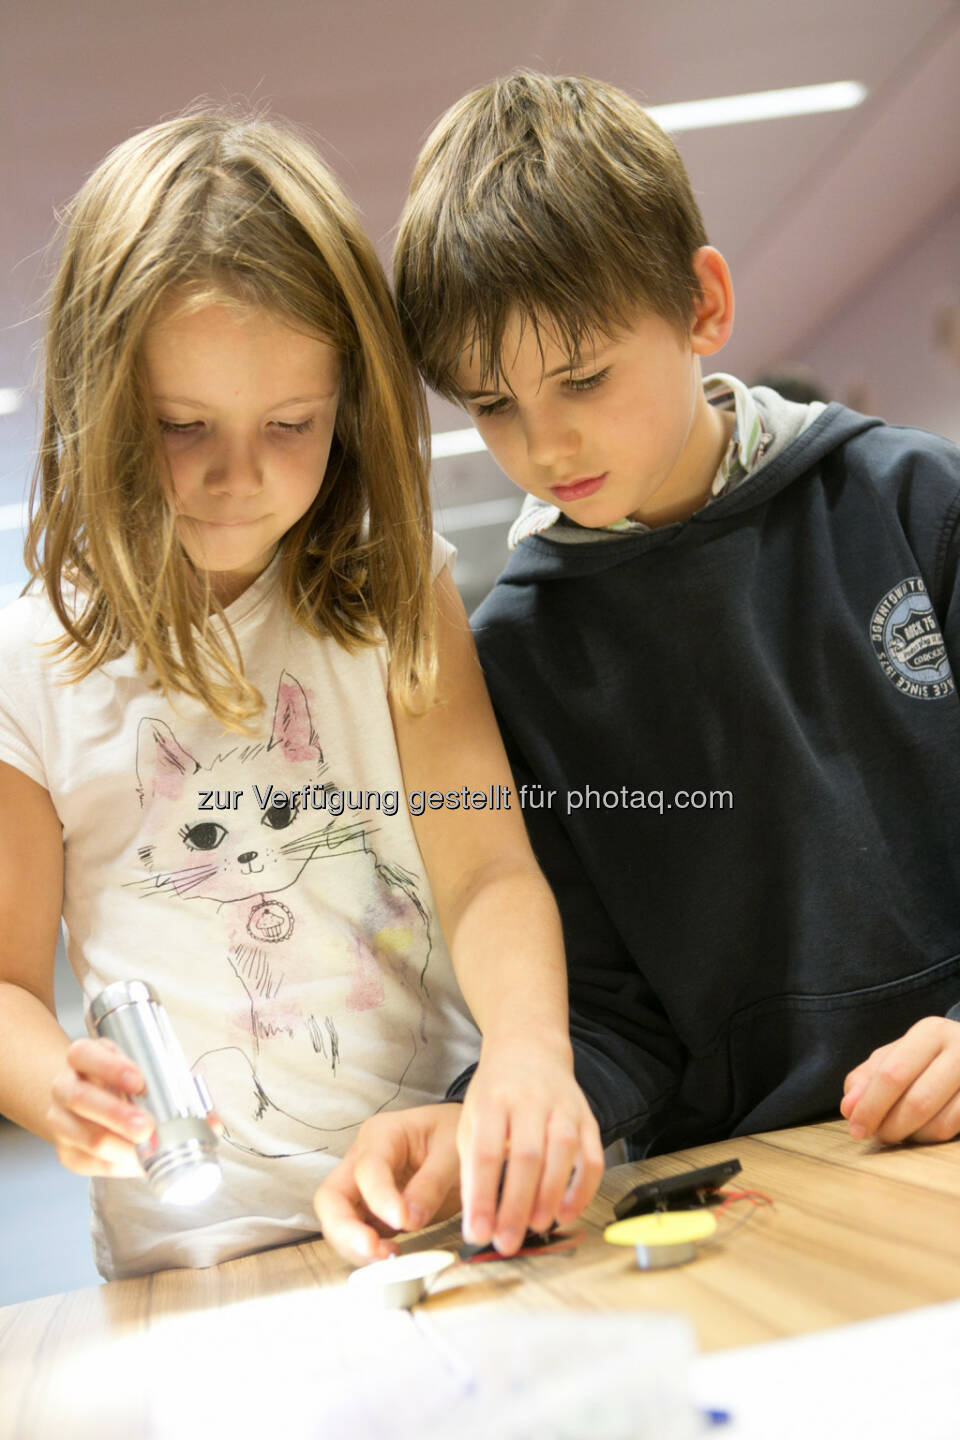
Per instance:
x=246, y=407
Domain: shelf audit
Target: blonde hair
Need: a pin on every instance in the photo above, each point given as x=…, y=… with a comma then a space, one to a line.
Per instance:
x=209, y=205
x=554, y=196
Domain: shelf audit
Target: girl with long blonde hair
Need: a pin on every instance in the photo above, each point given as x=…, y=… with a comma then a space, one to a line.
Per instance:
x=245, y=749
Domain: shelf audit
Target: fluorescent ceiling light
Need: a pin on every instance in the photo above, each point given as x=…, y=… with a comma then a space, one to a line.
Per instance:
x=10, y=400
x=13, y=517
x=760, y=105
x=455, y=442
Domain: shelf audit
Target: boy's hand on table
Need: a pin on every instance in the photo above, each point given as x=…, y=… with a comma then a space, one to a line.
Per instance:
x=910, y=1089
x=525, y=1111
x=361, y=1202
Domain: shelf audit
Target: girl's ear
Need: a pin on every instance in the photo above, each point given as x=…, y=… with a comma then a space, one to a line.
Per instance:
x=713, y=314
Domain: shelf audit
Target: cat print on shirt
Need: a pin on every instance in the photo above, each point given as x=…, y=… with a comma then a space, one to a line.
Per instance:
x=325, y=946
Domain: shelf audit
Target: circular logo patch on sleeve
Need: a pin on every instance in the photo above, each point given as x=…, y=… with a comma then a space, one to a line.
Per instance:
x=906, y=639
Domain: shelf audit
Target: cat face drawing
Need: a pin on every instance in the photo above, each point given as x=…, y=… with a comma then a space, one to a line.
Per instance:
x=315, y=949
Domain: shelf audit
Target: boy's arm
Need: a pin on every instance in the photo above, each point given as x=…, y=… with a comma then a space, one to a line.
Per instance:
x=947, y=582
x=910, y=1088
x=627, y=1057
x=401, y=1172
x=501, y=924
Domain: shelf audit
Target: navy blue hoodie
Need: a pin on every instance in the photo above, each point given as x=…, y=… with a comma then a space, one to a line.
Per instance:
x=789, y=644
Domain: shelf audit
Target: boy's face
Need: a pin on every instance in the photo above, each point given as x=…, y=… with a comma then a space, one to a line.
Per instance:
x=625, y=434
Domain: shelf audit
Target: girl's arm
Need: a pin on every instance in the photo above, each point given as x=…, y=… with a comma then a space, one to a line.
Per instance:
x=503, y=931
x=69, y=1094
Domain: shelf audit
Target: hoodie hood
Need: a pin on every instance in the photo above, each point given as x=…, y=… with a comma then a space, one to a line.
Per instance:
x=797, y=450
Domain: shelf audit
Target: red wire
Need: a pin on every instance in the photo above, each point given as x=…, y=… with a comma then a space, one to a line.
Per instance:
x=756, y=1198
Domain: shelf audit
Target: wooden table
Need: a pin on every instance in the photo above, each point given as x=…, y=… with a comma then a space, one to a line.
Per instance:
x=855, y=1231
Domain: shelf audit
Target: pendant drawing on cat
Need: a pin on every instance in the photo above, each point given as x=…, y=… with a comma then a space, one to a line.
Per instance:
x=271, y=920
x=326, y=943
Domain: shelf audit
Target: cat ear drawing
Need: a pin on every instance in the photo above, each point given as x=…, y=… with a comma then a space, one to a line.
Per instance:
x=292, y=727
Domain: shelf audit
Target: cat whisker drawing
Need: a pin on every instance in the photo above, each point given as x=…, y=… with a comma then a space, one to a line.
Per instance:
x=333, y=838
x=182, y=881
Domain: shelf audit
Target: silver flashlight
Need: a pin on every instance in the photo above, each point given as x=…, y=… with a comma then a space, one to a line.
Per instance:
x=179, y=1157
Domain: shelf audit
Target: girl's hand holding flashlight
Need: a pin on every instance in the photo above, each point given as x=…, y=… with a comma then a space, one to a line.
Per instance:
x=94, y=1127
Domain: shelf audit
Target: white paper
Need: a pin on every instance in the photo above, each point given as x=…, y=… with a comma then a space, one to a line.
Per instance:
x=885, y=1379
x=563, y=1375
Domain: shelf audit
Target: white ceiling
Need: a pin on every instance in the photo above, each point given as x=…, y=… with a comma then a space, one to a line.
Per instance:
x=806, y=210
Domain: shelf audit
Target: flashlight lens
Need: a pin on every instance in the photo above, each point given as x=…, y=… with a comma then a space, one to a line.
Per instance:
x=194, y=1185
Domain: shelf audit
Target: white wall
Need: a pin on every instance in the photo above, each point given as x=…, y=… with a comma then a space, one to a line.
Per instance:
x=882, y=354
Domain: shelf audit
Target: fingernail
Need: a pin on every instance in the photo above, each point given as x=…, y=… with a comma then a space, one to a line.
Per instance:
x=131, y=1080
x=507, y=1242
x=858, y=1132
x=475, y=1230
x=416, y=1218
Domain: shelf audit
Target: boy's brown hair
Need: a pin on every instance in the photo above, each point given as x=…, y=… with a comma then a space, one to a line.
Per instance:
x=556, y=196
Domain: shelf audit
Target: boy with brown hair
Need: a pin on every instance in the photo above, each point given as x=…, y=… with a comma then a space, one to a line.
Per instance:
x=720, y=652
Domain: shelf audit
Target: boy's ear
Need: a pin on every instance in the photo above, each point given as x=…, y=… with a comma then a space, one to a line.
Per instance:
x=713, y=314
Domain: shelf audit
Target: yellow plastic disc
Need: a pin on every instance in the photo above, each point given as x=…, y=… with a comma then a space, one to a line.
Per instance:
x=663, y=1227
